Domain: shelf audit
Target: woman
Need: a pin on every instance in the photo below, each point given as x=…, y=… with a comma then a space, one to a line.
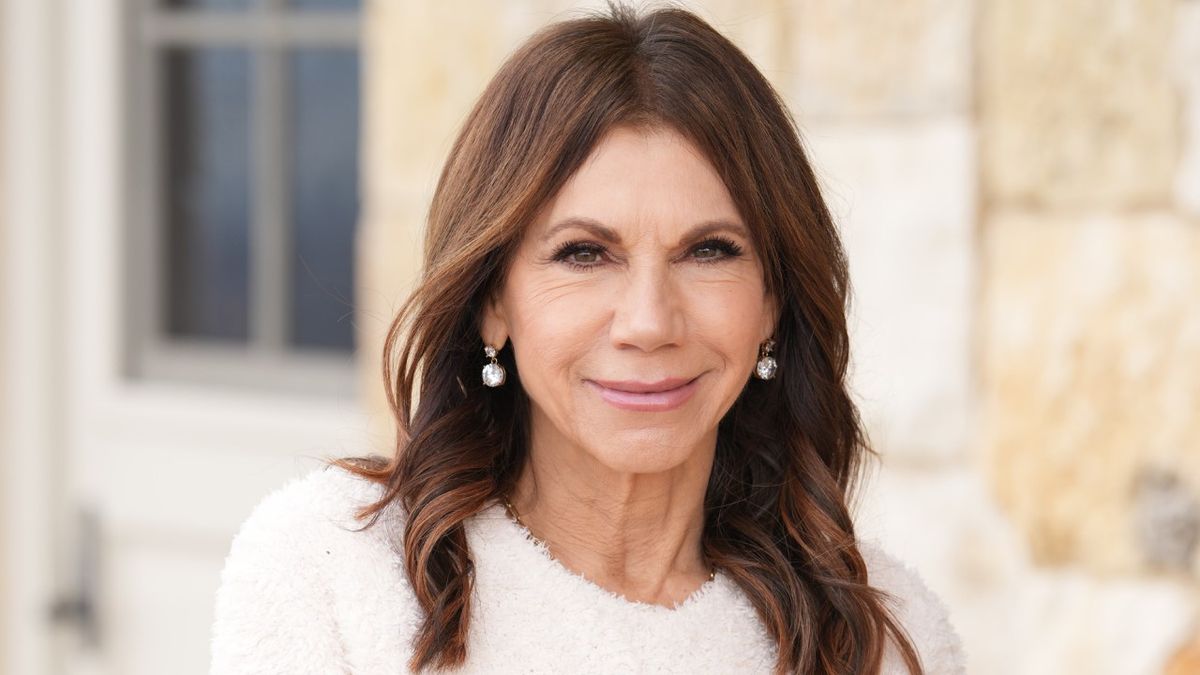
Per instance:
x=625, y=442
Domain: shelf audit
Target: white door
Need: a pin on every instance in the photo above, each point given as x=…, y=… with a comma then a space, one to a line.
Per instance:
x=149, y=457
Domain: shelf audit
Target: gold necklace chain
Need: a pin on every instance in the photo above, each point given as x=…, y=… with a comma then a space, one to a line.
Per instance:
x=712, y=574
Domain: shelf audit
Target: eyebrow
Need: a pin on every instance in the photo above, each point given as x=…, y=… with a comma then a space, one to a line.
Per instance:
x=610, y=235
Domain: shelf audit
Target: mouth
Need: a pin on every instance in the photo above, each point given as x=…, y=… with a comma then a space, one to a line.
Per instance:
x=659, y=396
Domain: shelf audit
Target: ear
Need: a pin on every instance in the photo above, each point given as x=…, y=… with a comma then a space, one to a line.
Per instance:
x=493, y=327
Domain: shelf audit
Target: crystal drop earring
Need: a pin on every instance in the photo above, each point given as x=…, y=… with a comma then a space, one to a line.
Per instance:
x=765, y=368
x=493, y=372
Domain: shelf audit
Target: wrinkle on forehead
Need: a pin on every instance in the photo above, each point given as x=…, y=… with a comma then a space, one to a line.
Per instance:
x=642, y=183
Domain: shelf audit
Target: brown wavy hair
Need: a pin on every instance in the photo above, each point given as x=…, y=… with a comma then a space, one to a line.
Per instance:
x=789, y=450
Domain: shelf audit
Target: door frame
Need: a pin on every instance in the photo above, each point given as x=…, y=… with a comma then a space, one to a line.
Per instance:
x=32, y=387
x=65, y=403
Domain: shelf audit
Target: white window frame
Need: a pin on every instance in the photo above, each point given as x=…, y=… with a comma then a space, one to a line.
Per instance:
x=265, y=361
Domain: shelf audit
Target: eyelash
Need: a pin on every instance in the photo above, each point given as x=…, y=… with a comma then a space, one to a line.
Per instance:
x=728, y=247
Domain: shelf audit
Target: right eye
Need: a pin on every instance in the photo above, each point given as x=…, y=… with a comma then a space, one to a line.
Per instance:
x=579, y=255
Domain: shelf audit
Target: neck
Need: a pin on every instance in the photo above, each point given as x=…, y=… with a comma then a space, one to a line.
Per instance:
x=635, y=534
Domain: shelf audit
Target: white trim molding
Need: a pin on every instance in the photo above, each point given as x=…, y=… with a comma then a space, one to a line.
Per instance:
x=31, y=440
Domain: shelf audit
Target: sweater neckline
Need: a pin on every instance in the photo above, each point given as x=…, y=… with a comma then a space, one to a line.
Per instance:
x=537, y=552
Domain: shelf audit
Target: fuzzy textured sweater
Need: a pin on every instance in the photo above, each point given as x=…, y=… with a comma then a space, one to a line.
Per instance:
x=301, y=592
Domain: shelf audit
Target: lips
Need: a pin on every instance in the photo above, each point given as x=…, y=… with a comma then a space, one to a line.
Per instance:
x=636, y=387
x=657, y=396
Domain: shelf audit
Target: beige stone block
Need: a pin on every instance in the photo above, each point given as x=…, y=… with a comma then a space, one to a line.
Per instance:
x=1067, y=621
x=1013, y=616
x=903, y=196
x=426, y=65
x=1186, y=68
x=1090, y=350
x=389, y=259
x=1075, y=102
x=1185, y=47
x=1187, y=177
x=848, y=58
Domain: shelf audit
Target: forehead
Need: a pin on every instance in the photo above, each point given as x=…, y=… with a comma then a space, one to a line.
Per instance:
x=636, y=178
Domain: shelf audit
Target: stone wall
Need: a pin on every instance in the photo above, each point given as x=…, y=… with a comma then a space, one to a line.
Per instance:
x=1018, y=187
x=1091, y=312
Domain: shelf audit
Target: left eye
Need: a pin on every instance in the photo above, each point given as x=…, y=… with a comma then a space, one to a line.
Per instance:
x=716, y=249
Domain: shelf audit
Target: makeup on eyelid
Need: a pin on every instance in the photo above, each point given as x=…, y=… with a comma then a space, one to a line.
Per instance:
x=727, y=247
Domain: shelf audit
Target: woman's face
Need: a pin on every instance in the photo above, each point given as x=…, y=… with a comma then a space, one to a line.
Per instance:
x=639, y=274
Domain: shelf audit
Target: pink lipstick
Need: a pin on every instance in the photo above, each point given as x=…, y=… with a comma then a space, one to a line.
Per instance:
x=658, y=396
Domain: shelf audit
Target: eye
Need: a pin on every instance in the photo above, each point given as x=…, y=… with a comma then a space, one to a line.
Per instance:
x=714, y=249
x=578, y=254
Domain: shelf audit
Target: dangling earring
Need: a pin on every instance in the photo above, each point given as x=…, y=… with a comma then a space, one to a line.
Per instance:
x=493, y=373
x=765, y=368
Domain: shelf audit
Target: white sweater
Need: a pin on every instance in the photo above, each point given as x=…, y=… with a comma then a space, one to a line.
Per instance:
x=302, y=593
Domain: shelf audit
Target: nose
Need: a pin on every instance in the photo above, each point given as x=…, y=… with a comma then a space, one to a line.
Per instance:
x=649, y=312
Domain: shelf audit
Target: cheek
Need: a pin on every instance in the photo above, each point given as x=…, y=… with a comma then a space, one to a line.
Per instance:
x=555, y=326
x=728, y=315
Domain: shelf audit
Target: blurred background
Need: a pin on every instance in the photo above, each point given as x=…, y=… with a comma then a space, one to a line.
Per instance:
x=210, y=210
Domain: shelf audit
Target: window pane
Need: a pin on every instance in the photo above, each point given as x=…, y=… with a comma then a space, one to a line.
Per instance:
x=206, y=123
x=208, y=4
x=326, y=4
x=323, y=171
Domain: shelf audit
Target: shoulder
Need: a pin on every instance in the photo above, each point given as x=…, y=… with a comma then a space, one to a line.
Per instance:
x=283, y=577
x=919, y=610
x=328, y=493
x=300, y=518
x=295, y=519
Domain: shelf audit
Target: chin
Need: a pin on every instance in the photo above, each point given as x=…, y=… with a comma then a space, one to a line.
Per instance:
x=642, y=455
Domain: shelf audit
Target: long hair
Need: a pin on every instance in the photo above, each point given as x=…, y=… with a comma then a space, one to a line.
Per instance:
x=789, y=451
